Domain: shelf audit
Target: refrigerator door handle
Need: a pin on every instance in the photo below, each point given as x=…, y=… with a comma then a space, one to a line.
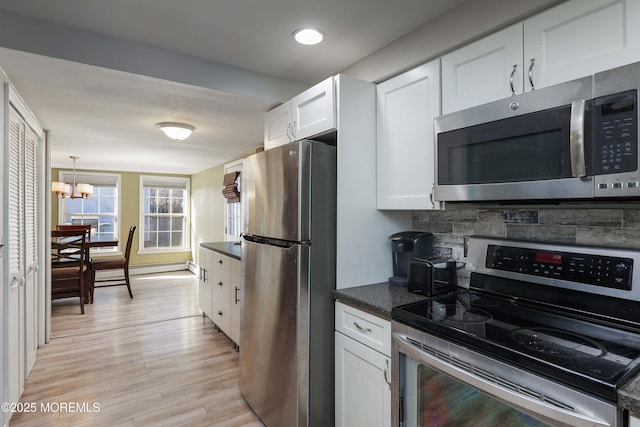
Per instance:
x=270, y=241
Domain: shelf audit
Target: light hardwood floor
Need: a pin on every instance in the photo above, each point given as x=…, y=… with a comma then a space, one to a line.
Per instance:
x=150, y=361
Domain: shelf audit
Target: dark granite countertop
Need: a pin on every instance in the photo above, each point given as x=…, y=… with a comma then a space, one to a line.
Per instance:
x=378, y=299
x=629, y=396
x=226, y=248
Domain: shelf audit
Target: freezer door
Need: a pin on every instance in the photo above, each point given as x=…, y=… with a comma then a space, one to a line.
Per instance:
x=276, y=192
x=273, y=371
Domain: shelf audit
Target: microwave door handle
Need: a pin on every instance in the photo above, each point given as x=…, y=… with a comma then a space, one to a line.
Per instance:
x=576, y=139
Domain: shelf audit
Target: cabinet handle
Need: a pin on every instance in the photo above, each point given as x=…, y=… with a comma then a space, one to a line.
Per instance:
x=219, y=283
x=533, y=62
x=433, y=202
x=386, y=373
x=220, y=261
x=293, y=131
x=513, y=75
x=360, y=328
x=289, y=137
x=220, y=313
x=236, y=296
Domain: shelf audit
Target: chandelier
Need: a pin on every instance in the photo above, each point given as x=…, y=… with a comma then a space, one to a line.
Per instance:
x=73, y=191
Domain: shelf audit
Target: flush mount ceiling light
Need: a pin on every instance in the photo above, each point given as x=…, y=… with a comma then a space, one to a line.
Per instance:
x=308, y=36
x=177, y=131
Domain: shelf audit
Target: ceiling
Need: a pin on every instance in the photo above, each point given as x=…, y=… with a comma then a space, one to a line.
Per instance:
x=215, y=64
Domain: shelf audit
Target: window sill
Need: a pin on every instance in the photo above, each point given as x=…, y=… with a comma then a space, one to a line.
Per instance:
x=152, y=251
x=100, y=254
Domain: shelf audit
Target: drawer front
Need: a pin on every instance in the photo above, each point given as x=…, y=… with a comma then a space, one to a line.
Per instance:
x=221, y=263
x=366, y=328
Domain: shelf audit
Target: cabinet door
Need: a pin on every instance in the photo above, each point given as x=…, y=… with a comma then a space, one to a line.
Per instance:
x=407, y=105
x=483, y=71
x=234, y=312
x=205, y=258
x=579, y=38
x=277, y=126
x=313, y=111
x=634, y=421
x=363, y=393
x=221, y=285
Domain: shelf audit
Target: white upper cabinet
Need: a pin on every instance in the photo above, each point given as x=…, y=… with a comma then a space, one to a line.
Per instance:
x=483, y=71
x=276, y=126
x=407, y=105
x=579, y=38
x=313, y=111
x=574, y=39
x=308, y=114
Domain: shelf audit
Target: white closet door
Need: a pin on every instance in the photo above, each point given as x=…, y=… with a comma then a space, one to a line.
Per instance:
x=31, y=241
x=15, y=257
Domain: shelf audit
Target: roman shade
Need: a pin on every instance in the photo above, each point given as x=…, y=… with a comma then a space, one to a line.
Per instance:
x=231, y=190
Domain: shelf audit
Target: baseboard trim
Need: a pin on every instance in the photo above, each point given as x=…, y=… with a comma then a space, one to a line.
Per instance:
x=193, y=267
x=147, y=269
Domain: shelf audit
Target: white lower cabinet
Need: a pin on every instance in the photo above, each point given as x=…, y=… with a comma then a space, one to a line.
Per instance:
x=204, y=284
x=634, y=421
x=221, y=279
x=362, y=373
x=219, y=289
x=234, y=310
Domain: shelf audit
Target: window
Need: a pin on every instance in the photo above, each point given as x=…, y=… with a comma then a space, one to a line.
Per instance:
x=233, y=212
x=99, y=209
x=165, y=211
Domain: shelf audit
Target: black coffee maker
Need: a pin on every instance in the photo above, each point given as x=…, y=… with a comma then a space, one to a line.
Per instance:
x=405, y=246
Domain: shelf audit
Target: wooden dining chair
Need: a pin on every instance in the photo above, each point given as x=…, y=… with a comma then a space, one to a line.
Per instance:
x=113, y=264
x=86, y=227
x=69, y=267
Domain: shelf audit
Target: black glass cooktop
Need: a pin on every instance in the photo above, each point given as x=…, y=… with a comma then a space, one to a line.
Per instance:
x=592, y=357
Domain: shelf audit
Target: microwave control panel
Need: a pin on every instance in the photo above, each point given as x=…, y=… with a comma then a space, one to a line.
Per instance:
x=598, y=270
x=616, y=121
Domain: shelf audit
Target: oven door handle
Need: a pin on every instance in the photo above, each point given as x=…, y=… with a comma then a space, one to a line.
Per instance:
x=576, y=139
x=526, y=403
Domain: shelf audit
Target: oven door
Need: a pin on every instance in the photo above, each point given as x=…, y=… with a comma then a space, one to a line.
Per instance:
x=518, y=148
x=437, y=383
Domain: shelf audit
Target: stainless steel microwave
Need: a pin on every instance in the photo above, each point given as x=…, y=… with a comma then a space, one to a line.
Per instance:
x=575, y=140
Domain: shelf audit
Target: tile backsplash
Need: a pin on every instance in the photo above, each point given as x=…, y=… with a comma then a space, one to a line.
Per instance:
x=587, y=226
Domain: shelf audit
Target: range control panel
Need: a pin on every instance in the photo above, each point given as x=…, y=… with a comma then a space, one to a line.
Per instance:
x=605, y=271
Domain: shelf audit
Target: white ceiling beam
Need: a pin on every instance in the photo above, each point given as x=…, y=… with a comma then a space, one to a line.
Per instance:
x=40, y=37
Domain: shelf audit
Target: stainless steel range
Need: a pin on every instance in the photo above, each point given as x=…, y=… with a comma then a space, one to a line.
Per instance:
x=544, y=335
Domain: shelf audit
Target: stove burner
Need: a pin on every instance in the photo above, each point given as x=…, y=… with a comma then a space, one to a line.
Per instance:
x=484, y=301
x=558, y=343
x=458, y=313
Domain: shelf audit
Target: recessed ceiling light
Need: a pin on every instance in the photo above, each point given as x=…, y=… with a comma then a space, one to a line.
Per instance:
x=308, y=36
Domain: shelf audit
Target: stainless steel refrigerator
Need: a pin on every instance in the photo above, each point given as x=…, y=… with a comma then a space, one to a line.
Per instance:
x=288, y=274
